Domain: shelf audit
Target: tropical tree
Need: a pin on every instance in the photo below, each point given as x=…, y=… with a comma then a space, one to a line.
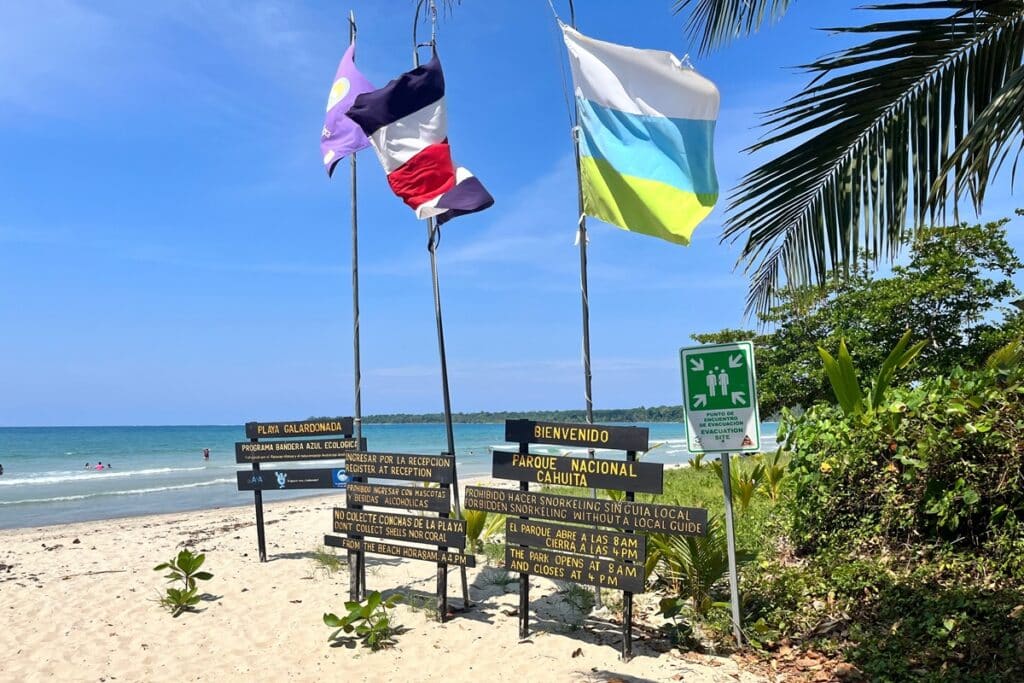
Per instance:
x=954, y=290
x=888, y=134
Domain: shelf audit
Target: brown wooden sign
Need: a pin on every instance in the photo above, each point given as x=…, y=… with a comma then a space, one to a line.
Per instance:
x=428, y=554
x=439, y=469
x=600, y=473
x=303, y=449
x=416, y=528
x=567, y=434
x=589, y=570
x=647, y=517
x=575, y=539
x=279, y=430
x=283, y=480
x=408, y=497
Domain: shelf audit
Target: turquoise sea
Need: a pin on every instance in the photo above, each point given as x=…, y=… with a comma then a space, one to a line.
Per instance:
x=161, y=469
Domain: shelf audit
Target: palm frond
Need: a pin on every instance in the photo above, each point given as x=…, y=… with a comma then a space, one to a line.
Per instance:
x=987, y=145
x=879, y=133
x=717, y=22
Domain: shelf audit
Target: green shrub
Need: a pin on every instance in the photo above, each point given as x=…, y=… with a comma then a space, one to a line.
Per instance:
x=942, y=462
x=368, y=620
x=691, y=565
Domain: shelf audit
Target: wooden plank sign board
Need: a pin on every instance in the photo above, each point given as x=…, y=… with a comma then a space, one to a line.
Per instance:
x=407, y=551
x=589, y=570
x=406, y=497
x=647, y=517
x=278, y=430
x=302, y=449
x=576, y=539
x=283, y=480
x=439, y=469
x=599, y=473
x=301, y=446
x=585, y=435
x=416, y=528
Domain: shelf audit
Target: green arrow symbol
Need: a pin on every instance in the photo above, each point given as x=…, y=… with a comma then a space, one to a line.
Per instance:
x=738, y=397
x=697, y=364
x=700, y=400
x=736, y=361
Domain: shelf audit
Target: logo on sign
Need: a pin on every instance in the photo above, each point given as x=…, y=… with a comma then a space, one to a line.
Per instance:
x=747, y=441
x=256, y=479
x=281, y=477
x=340, y=478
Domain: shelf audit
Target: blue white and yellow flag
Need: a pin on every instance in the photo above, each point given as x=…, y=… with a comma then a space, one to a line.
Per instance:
x=647, y=125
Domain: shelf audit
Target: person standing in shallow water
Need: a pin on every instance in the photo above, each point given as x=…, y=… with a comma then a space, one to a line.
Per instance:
x=206, y=454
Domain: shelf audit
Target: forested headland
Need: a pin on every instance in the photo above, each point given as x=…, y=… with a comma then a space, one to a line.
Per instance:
x=641, y=414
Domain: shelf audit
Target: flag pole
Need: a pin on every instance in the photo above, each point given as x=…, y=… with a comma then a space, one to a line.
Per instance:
x=433, y=237
x=356, y=559
x=581, y=236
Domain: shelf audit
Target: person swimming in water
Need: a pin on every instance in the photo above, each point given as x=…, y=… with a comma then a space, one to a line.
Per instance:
x=99, y=466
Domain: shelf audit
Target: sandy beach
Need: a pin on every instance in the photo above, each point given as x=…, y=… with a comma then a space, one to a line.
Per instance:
x=79, y=603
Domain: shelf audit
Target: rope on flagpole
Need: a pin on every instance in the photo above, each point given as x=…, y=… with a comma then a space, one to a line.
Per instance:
x=584, y=293
x=433, y=240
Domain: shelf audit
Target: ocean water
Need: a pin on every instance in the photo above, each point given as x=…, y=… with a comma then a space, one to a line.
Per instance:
x=161, y=469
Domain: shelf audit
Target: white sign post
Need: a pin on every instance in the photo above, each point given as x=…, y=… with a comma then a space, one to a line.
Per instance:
x=720, y=405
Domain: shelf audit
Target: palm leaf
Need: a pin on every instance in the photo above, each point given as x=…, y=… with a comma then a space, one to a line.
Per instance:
x=717, y=22
x=890, y=131
x=843, y=379
x=899, y=358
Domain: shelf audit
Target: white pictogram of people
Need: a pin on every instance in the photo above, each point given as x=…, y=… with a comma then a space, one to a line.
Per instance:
x=718, y=379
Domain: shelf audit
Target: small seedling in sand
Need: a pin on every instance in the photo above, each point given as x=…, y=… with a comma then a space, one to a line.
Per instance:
x=327, y=562
x=368, y=620
x=582, y=599
x=494, y=552
x=422, y=603
x=492, y=576
x=183, y=568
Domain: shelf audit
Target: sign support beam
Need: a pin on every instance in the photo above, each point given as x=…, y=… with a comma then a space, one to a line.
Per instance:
x=734, y=593
x=627, y=597
x=524, y=578
x=261, y=540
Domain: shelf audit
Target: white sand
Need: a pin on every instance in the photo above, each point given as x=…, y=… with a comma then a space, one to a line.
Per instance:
x=87, y=611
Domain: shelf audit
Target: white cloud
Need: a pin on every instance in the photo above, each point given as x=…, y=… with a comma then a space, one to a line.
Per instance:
x=66, y=58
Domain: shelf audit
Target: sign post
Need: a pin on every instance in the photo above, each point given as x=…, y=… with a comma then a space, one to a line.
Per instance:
x=361, y=526
x=573, y=546
x=255, y=452
x=720, y=408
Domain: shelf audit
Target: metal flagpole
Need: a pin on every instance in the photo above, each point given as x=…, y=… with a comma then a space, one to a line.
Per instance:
x=433, y=237
x=356, y=559
x=581, y=235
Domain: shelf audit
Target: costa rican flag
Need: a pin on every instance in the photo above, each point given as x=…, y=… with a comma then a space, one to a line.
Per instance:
x=407, y=125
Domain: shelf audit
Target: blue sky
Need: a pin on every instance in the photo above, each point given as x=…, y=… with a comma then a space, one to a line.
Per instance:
x=171, y=251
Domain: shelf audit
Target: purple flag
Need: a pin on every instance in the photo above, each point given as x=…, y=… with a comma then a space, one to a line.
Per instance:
x=341, y=135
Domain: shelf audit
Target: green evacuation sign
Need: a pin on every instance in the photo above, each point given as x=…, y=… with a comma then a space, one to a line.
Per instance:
x=720, y=397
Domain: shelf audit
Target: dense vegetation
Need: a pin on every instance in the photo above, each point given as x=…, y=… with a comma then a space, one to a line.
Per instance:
x=888, y=532
x=908, y=529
